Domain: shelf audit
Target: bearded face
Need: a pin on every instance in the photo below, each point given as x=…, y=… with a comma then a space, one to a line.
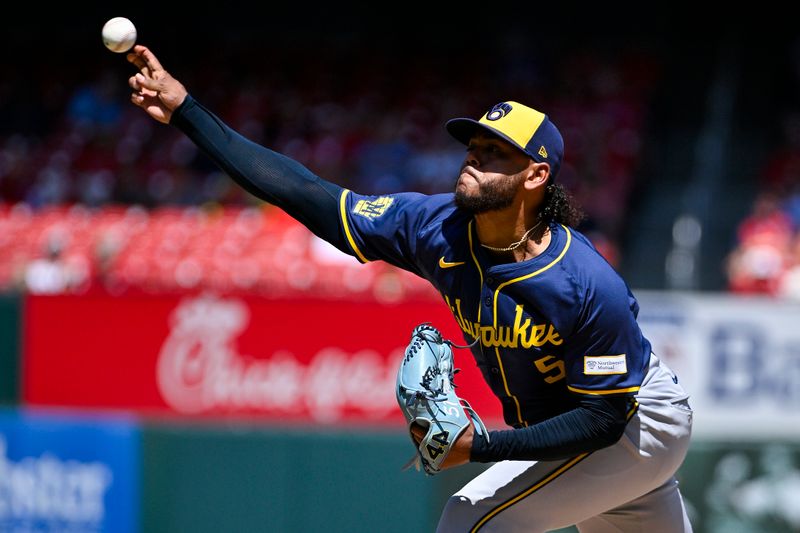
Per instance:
x=488, y=193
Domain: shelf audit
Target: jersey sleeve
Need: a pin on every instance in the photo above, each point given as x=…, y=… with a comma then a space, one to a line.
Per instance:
x=607, y=353
x=387, y=227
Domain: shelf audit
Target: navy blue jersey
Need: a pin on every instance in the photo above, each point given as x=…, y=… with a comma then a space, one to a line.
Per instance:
x=551, y=328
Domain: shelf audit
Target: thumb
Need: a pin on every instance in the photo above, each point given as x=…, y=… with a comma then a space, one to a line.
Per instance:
x=418, y=432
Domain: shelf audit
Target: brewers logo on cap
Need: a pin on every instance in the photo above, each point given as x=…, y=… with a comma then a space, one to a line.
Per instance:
x=499, y=111
x=526, y=128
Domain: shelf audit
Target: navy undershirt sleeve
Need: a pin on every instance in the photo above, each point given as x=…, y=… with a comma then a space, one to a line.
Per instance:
x=596, y=423
x=266, y=174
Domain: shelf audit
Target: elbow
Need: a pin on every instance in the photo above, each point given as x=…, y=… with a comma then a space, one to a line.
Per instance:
x=606, y=439
x=609, y=426
x=609, y=419
x=614, y=432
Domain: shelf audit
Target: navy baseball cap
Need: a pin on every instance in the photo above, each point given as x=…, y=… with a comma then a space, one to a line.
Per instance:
x=529, y=130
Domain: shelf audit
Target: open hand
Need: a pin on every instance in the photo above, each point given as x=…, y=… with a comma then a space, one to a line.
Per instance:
x=155, y=90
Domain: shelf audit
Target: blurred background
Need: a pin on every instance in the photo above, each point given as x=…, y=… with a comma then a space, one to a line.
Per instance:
x=176, y=355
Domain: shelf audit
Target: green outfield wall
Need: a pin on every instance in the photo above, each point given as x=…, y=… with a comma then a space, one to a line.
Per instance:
x=212, y=479
x=9, y=348
x=252, y=479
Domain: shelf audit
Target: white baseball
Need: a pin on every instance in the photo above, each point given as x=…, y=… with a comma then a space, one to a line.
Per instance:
x=119, y=34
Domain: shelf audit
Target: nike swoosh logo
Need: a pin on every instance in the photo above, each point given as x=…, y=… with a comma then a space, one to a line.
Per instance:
x=447, y=264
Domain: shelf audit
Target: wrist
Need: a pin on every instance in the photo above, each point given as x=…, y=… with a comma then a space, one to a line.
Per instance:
x=479, y=449
x=181, y=108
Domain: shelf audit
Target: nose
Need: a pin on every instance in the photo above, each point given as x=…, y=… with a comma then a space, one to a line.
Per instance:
x=472, y=159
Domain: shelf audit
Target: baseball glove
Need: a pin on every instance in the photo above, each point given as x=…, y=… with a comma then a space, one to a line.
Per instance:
x=426, y=395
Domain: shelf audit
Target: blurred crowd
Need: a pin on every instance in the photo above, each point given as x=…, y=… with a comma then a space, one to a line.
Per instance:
x=766, y=257
x=372, y=122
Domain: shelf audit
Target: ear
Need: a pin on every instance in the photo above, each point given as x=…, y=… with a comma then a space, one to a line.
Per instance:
x=537, y=176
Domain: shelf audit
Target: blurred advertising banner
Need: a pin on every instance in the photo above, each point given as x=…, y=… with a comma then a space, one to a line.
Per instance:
x=335, y=361
x=738, y=357
x=61, y=472
x=208, y=355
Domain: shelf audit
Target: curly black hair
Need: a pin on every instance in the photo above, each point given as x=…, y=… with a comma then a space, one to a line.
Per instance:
x=559, y=206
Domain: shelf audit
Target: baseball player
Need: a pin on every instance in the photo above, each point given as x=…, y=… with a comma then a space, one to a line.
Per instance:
x=598, y=424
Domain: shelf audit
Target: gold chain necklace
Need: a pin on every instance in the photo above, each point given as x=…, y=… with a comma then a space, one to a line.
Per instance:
x=515, y=245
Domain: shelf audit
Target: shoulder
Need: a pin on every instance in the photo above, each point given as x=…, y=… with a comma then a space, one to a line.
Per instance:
x=575, y=272
x=596, y=279
x=584, y=261
x=409, y=204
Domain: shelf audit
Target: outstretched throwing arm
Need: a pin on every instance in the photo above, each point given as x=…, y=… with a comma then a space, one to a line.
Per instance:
x=262, y=172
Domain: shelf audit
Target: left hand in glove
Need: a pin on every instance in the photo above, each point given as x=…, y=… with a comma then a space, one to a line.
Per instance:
x=440, y=424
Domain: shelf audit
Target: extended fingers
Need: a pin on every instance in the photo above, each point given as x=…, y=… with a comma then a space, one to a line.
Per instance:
x=148, y=57
x=145, y=85
x=137, y=99
x=135, y=57
x=143, y=59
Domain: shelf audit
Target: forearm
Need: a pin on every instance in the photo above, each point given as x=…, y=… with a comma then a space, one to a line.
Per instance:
x=264, y=173
x=595, y=424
